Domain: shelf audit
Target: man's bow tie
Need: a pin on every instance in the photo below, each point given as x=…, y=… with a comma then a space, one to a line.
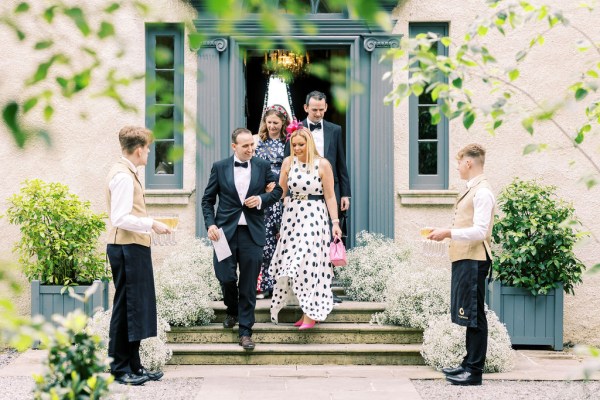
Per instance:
x=315, y=126
x=241, y=164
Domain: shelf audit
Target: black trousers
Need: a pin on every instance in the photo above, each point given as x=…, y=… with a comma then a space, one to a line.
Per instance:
x=477, y=337
x=125, y=354
x=239, y=295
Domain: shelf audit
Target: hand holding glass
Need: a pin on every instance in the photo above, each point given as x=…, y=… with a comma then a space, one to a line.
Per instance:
x=432, y=248
x=171, y=221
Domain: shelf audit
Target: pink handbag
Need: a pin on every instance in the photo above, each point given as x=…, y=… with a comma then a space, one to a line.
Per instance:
x=337, y=253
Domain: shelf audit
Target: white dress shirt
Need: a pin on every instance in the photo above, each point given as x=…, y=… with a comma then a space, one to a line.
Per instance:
x=318, y=137
x=121, y=204
x=483, y=204
x=242, y=176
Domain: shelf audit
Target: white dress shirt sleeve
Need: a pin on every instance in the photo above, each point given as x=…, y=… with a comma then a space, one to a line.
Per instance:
x=121, y=205
x=483, y=203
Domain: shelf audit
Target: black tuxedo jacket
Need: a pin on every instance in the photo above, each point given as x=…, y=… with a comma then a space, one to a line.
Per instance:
x=334, y=153
x=221, y=184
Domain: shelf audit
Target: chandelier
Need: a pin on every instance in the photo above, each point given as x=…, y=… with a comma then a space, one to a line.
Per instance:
x=285, y=64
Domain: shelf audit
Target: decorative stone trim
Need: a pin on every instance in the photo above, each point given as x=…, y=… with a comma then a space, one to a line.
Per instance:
x=388, y=42
x=218, y=43
x=427, y=197
x=170, y=196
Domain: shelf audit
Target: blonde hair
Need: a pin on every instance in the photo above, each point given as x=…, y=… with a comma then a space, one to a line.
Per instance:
x=263, y=132
x=311, y=149
x=132, y=137
x=474, y=151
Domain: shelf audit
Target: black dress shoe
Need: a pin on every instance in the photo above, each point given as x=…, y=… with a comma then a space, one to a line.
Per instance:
x=230, y=321
x=336, y=299
x=153, y=376
x=131, y=379
x=453, y=371
x=464, y=379
x=247, y=343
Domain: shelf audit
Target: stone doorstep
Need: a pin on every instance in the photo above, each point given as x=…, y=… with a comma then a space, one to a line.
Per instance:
x=336, y=333
x=307, y=354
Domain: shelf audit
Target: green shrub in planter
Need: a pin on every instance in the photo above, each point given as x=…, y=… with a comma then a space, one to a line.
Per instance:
x=154, y=352
x=371, y=264
x=74, y=368
x=59, y=235
x=534, y=239
x=444, y=344
x=186, y=283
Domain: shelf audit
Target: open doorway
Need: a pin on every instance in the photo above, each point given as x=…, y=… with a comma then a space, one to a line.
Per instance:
x=257, y=83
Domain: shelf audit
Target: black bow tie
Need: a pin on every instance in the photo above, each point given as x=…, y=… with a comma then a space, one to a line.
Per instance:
x=315, y=126
x=241, y=164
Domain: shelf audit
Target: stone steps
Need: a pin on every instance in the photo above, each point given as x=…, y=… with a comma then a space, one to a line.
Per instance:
x=345, y=338
x=305, y=354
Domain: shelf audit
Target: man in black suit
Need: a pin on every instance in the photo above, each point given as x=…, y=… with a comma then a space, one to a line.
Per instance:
x=239, y=182
x=329, y=144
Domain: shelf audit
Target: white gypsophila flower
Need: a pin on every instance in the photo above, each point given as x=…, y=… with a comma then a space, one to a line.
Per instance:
x=154, y=352
x=370, y=265
x=444, y=344
x=415, y=296
x=186, y=284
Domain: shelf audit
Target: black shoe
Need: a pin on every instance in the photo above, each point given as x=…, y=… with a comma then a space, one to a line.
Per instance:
x=153, y=376
x=453, y=371
x=131, y=379
x=247, y=343
x=230, y=321
x=336, y=299
x=464, y=379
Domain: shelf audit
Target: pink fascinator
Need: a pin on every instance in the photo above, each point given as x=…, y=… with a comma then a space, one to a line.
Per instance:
x=293, y=127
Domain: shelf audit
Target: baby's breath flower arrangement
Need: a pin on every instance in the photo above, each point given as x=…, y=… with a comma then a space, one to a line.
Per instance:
x=415, y=296
x=370, y=265
x=154, y=352
x=444, y=344
x=186, y=283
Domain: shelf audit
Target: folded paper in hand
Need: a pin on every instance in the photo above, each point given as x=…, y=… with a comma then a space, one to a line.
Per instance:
x=221, y=246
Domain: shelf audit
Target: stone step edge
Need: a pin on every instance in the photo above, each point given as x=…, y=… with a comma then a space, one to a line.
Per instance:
x=333, y=327
x=271, y=348
x=346, y=306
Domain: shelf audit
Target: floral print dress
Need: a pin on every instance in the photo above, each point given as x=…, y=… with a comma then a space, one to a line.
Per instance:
x=272, y=151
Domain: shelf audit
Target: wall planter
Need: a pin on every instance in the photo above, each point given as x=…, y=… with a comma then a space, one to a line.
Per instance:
x=47, y=300
x=529, y=319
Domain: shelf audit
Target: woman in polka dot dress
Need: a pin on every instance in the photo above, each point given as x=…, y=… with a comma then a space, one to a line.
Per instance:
x=301, y=264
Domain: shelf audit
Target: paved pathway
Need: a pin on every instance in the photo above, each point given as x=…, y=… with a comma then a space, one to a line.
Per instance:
x=311, y=382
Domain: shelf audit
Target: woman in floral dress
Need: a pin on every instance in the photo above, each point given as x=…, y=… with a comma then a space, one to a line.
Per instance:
x=301, y=264
x=270, y=147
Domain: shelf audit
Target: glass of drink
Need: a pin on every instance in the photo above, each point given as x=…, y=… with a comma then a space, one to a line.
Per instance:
x=172, y=221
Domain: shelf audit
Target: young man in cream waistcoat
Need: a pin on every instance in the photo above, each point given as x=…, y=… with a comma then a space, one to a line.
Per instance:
x=134, y=306
x=471, y=256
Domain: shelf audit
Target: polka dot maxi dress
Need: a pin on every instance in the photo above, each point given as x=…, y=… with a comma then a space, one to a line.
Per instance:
x=301, y=264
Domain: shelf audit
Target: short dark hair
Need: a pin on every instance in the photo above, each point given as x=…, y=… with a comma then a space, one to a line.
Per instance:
x=237, y=132
x=132, y=137
x=315, y=94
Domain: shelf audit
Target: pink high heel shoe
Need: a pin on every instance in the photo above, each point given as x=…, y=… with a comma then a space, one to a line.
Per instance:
x=299, y=322
x=307, y=326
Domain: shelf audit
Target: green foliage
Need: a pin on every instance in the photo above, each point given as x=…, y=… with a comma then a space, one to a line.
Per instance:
x=535, y=238
x=74, y=365
x=472, y=61
x=59, y=234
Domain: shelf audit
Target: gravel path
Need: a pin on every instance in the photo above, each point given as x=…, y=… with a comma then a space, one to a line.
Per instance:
x=7, y=355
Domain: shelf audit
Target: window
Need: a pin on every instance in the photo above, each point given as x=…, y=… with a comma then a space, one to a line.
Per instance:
x=428, y=155
x=164, y=105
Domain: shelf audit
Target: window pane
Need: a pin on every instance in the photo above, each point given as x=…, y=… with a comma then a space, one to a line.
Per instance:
x=164, y=127
x=426, y=129
x=425, y=99
x=163, y=54
x=428, y=157
x=165, y=87
x=162, y=165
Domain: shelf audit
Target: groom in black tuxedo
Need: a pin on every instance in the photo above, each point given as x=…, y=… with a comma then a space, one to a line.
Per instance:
x=240, y=181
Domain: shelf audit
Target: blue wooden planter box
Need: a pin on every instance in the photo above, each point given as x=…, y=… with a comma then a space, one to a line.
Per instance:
x=529, y=319
x=47, y=300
